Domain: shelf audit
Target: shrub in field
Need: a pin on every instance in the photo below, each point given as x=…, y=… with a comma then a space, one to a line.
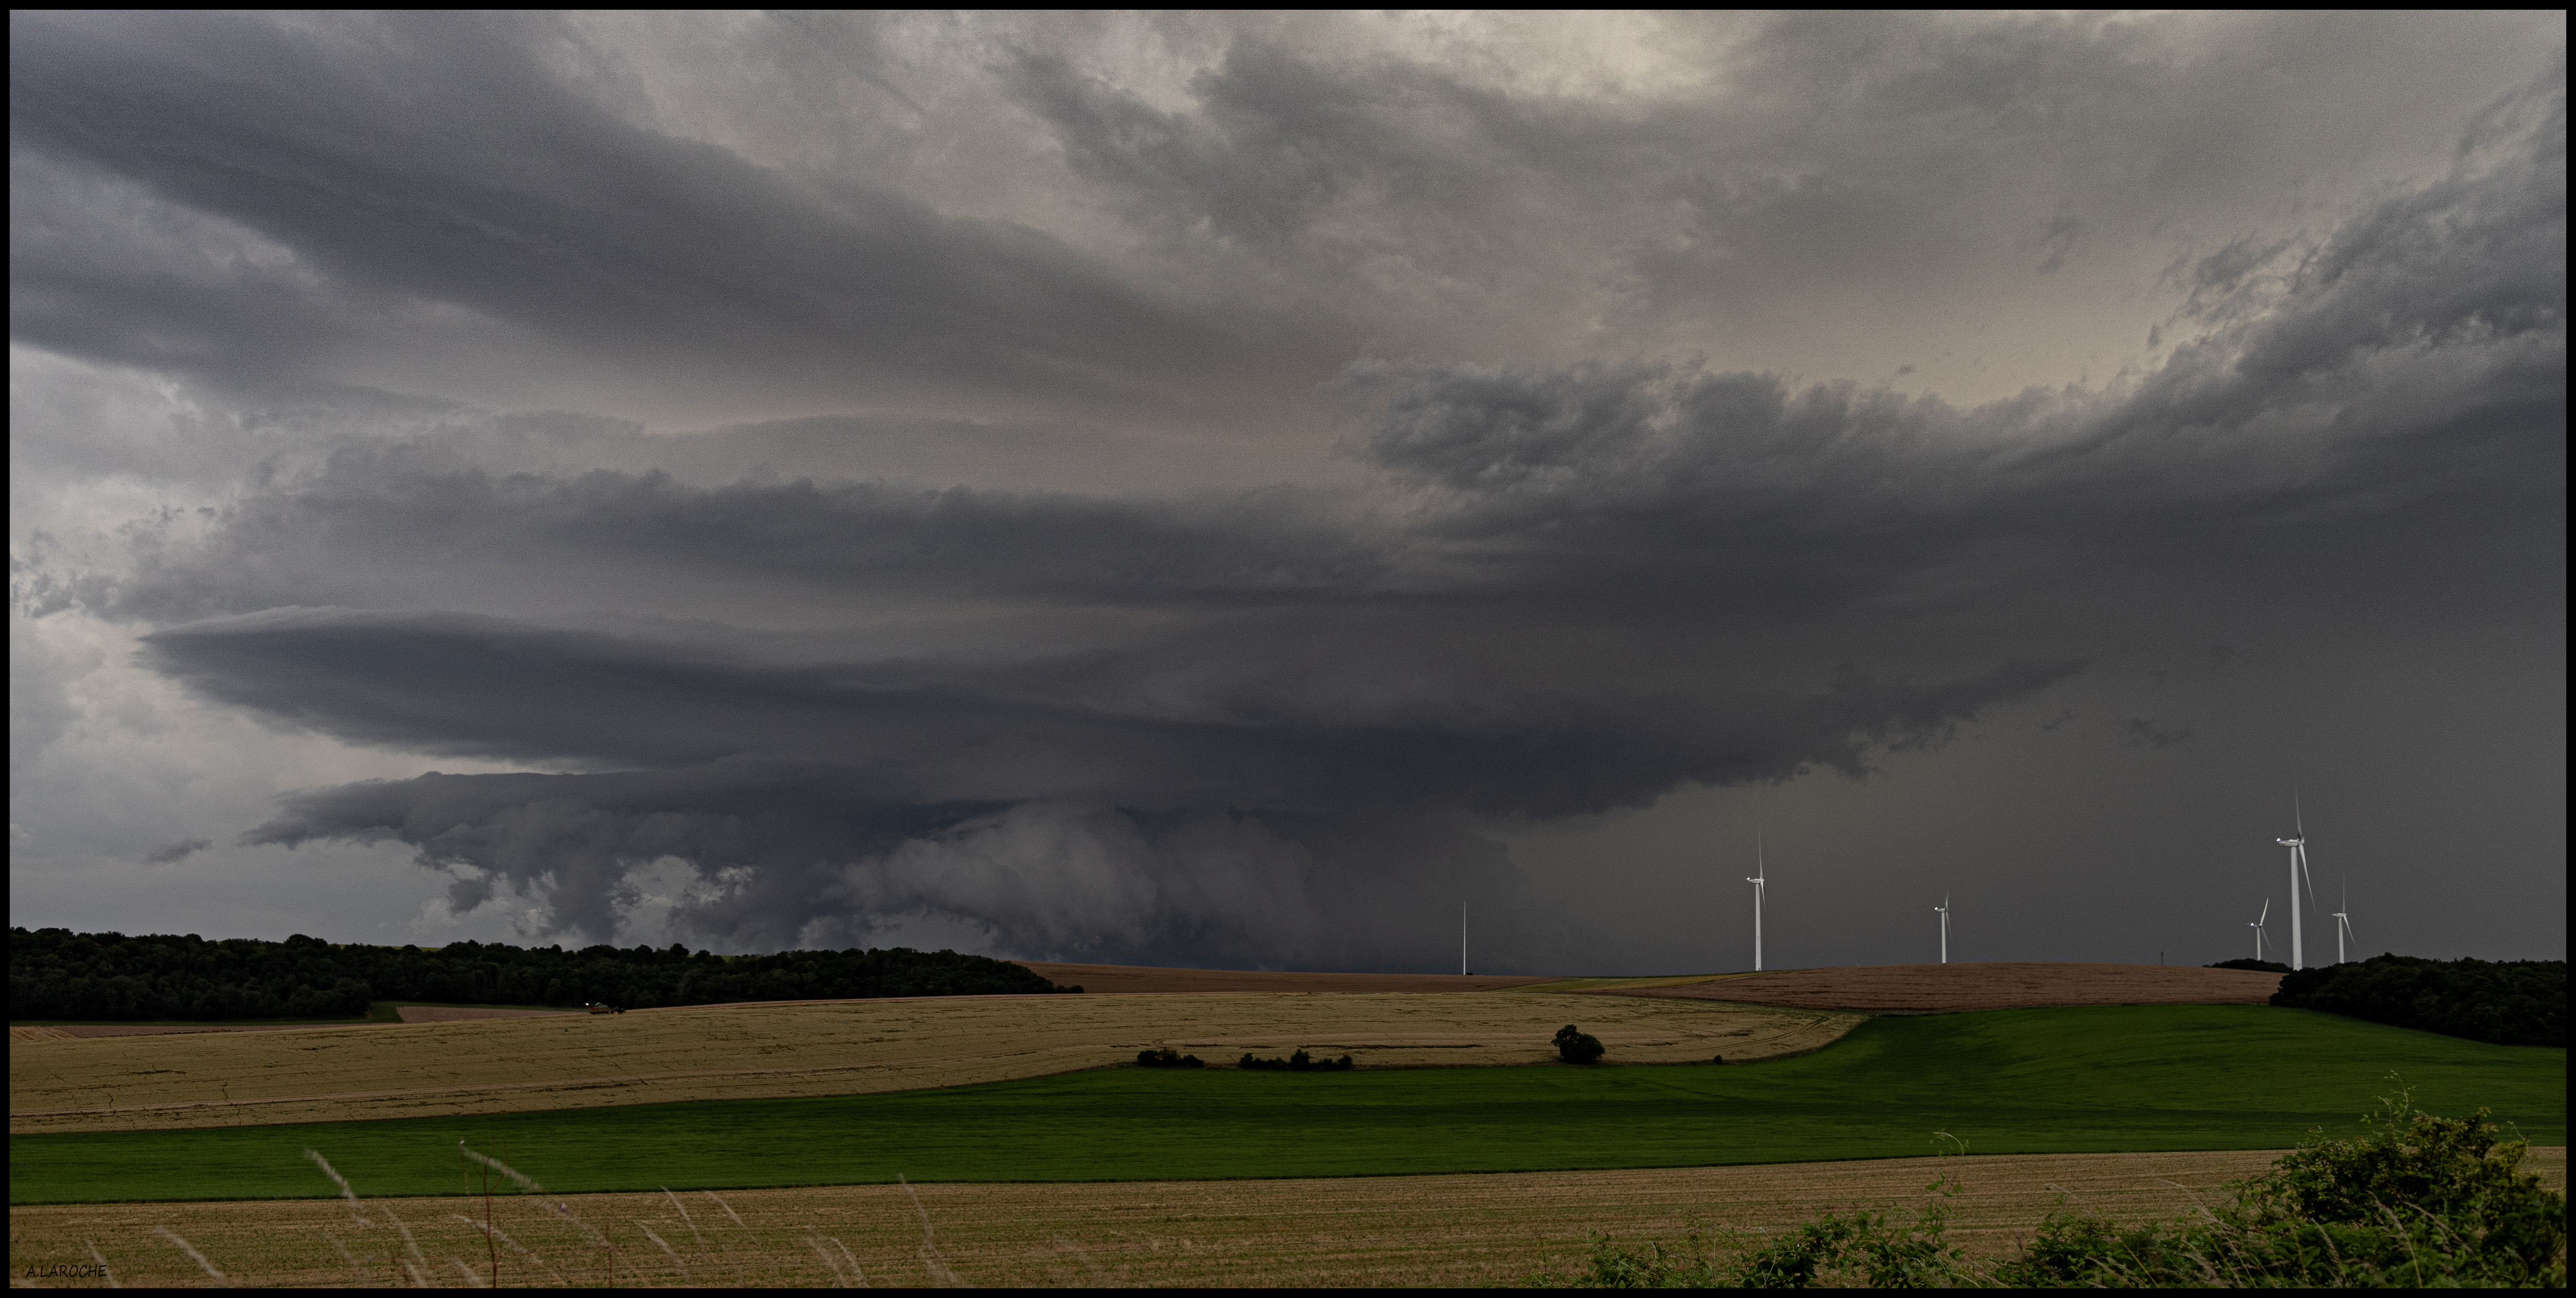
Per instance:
x=1300, y=1062
x=1576, y=1046
x=1167, y=1058
x=2258, y=966
x=2504, y=1002
x=2416, y=1201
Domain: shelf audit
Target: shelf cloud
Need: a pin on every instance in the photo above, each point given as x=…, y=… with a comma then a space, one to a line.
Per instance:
x=1219, y=491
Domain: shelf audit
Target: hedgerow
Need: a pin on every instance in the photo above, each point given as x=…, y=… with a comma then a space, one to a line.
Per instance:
x=2416, y=1201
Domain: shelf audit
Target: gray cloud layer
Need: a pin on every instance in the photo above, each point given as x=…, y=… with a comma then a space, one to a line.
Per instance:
x=1147, y=718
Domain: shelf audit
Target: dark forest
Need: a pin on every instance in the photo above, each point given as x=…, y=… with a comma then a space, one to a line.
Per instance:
x=58, y=974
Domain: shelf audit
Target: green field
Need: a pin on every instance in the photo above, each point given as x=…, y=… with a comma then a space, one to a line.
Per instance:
x=2016, y=1081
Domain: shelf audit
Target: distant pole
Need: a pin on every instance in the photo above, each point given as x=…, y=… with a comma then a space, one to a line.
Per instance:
x=1462, y=939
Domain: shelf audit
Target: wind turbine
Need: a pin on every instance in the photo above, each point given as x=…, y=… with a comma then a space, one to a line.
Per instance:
x=1757, y=880
x=2298, y=867
x=2343, y=922
x=1462, y=939
x=2257, y=926
x=1943, y=910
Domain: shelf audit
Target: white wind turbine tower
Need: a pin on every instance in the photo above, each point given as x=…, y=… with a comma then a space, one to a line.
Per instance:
x=1943, y=910
x=2298, y=868
x=2343, y=922
x=2257, y=926
x=1757, y=880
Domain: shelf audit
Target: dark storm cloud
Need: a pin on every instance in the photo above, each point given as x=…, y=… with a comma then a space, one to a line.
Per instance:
x=787, y=854
x=399, y=519
x=572, y=840
x=2412, y=362
x=2414, y=359
x=321, y=185
x=1102, y=726
x=819, y=803
x=1106, y=713
x=2407, y=366
x=171, y=853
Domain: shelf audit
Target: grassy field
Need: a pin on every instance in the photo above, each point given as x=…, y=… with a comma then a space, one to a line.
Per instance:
x=1417, y=1230
x=839, y=1048
x=2016, y=1081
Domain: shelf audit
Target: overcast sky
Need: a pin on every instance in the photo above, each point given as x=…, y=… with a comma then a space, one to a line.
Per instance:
x=1229, y=490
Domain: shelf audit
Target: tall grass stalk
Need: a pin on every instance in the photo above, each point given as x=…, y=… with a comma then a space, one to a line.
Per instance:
x=930, y=1258
x=556, y=1206
x=350, y=1195
x=700, y=1236
x=193, y=1255
x=861, y=1276
x=106, y=1272
x=728, y=1208
x=357, y=1272
x=667, y=1252
x=815, y=1242
x=418, y=1259
x=513, y=1245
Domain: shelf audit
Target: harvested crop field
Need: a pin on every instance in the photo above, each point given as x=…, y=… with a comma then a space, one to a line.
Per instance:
x=84, y=1031
x=1419, y=1230
x=1096, y=978
x=471, y=1013
x=1949, y=988
x=820, y=1048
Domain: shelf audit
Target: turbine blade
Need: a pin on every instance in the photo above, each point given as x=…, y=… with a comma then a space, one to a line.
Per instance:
x=2295, y=817
x=2267, y=911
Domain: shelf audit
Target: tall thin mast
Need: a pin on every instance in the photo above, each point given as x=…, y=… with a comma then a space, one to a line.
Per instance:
x=1757, y=879
x=2298, y=845
x=1462, y=939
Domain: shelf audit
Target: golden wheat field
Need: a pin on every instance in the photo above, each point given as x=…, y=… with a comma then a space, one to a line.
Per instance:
x=830, y=1048
x=1420, y=1230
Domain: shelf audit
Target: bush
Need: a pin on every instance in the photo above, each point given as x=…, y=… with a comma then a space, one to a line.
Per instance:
x=2505, y=1003
x=2258, y=966
x=1300, y=1062
x=2415, y=1201
x=1167, y=1058
x=1576, y=1046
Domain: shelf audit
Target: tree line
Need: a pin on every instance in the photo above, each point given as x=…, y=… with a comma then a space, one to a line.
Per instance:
x=2505, y=1002
x=58, y=974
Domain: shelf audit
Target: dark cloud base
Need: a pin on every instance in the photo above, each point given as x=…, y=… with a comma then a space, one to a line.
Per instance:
x=1273, y=727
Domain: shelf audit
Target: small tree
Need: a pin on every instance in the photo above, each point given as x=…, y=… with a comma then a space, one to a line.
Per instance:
x=1576, y=1046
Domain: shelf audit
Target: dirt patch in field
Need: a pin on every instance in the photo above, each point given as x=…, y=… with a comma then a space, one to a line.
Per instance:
x=1948, y=988
x=1139, y=978
x=1376, y=1231
x=824, y=1048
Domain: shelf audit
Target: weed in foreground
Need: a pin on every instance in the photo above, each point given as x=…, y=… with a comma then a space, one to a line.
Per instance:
x=2416, y=1201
